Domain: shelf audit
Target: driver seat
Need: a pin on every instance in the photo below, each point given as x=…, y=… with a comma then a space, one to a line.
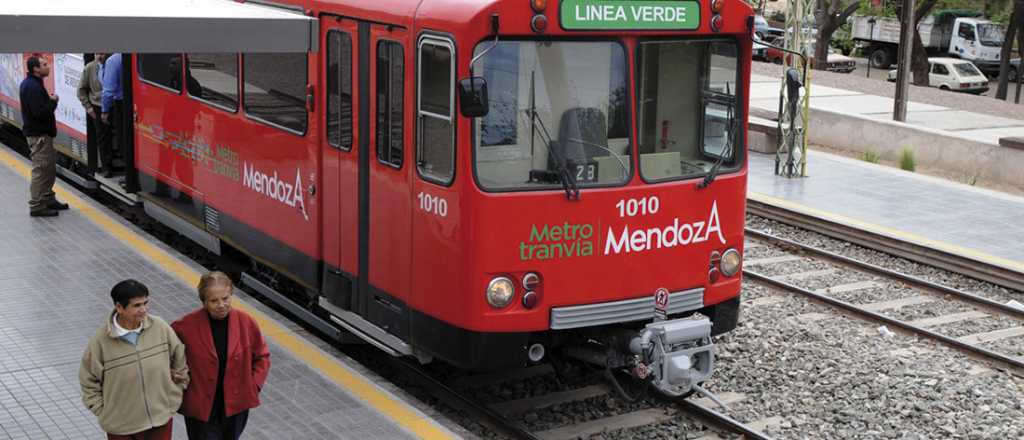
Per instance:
x=586, y=124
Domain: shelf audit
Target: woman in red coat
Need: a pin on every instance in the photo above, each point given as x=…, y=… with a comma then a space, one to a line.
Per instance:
x=219, y=339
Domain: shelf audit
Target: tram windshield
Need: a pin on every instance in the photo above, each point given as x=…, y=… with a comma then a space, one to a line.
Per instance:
x=688, y=110
x=559, y=112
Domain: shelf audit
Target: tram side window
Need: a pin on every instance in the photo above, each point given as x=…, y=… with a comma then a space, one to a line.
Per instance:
x=275, y=89
x=390, y=88
x=163, y=69
x=436, y=152
x=213, y=78
x=339, y=90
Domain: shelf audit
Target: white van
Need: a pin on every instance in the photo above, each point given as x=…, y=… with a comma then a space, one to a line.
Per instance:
x=953, y=74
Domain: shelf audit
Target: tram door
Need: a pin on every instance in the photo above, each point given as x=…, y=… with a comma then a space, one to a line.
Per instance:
x=366, y=178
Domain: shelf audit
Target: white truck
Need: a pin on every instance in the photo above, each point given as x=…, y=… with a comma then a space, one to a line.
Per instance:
x=973, y=39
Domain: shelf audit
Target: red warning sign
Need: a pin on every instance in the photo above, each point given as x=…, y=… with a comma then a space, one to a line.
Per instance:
x=661, y=304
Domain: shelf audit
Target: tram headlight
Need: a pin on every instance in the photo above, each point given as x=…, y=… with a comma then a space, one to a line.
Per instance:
x=500, y=292
x=730, y=264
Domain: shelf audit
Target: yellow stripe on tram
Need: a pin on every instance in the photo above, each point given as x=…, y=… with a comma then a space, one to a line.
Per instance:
x=398, y=411
x=884, y=230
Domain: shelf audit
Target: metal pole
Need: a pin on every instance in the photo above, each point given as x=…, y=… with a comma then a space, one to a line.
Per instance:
x=871, y=34
x=906, y=51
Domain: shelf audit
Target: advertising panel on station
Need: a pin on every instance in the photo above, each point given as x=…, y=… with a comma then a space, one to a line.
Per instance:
x=595, y=15
x=67, y=71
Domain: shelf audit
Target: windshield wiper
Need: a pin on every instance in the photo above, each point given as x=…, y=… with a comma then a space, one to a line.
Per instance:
x=568, y=180
x=617, y=156
x=726, y=150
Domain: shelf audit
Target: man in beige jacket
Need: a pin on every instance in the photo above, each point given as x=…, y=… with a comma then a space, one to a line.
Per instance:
x=90, y=90
x=133, y=372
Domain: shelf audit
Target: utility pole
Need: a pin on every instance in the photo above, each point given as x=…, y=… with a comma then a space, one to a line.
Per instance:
x=906, y=51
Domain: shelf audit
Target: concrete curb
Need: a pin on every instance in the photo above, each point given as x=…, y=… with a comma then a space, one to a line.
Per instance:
x=933, y=148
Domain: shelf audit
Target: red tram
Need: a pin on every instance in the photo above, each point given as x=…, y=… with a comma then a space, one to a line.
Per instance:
x=483, y=182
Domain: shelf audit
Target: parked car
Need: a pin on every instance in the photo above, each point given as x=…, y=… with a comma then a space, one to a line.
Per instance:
x=953, y=74
x=763, y=30
x=836, y=62
x=760, y=52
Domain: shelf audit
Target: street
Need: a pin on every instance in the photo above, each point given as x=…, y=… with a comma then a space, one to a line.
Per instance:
x=881, y=74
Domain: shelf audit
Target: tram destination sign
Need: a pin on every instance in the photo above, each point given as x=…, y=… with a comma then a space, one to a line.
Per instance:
x=630, y=14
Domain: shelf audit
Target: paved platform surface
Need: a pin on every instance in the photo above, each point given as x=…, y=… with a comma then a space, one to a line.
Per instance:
x=55, y=279
x=764, y=95
x=922, y=208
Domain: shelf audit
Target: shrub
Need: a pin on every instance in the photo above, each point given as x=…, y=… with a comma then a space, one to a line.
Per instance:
x=870, y=156
x=907, y=159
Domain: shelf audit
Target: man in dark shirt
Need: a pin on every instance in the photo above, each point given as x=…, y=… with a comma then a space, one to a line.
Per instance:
x=40, y=127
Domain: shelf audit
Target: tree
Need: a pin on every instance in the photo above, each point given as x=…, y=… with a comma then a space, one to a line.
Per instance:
x=830, y=15
x=919, y=56
x=1013, y=29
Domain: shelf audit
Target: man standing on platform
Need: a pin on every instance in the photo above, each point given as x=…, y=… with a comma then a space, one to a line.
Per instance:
x=90, y=94
x=133, y=372
x=112, y=101
x=219, y=340
x=40, y=127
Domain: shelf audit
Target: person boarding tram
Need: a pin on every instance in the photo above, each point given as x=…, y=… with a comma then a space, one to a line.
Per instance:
x=112, y=104
x=219, y=339
x=90, y=94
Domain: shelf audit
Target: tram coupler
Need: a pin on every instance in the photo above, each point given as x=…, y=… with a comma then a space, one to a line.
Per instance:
x=675, y=356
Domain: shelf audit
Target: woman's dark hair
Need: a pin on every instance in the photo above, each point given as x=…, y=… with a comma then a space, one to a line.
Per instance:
x=32, y=63
x=124, y=292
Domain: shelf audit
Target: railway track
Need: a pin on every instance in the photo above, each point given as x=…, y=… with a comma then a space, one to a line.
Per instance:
x=928, y=255
x=511, y=418
x=896, y=300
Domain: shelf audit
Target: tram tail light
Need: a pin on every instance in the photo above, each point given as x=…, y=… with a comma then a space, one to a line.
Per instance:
x=716, y=23
x=539, y=23
x=538, y=5
x=724, y=263
x=531, y=282
x=717, y=5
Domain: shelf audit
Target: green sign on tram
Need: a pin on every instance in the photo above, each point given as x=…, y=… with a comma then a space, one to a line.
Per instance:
x=630, y=14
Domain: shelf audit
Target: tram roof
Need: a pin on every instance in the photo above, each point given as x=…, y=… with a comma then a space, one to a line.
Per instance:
x=78, y=26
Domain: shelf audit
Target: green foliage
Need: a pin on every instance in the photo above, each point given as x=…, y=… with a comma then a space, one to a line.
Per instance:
x=907, y=159
x=870, y=156
x=778, y=16
x=842, y=41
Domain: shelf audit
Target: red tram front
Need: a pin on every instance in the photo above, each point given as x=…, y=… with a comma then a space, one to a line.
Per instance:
x=488, y=183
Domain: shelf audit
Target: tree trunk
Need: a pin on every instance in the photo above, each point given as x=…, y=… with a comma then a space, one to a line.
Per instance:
x=829, y=17
x=919, y=55
x=826, y=26
x=1006, y=53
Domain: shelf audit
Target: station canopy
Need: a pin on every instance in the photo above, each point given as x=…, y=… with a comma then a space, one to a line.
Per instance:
x=141, y=26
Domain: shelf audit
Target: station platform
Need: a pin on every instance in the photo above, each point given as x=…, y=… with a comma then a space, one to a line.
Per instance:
x=965, y=125
x=982, y=224
x=55, y=278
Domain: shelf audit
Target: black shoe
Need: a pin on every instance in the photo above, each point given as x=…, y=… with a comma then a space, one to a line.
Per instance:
x=58, y=206
x=44, y=213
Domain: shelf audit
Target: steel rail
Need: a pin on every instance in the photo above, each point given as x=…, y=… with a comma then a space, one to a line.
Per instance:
x=877, y=317
x=720, y=420
x=921, y=253
x=879, y=270
x=477, y=410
